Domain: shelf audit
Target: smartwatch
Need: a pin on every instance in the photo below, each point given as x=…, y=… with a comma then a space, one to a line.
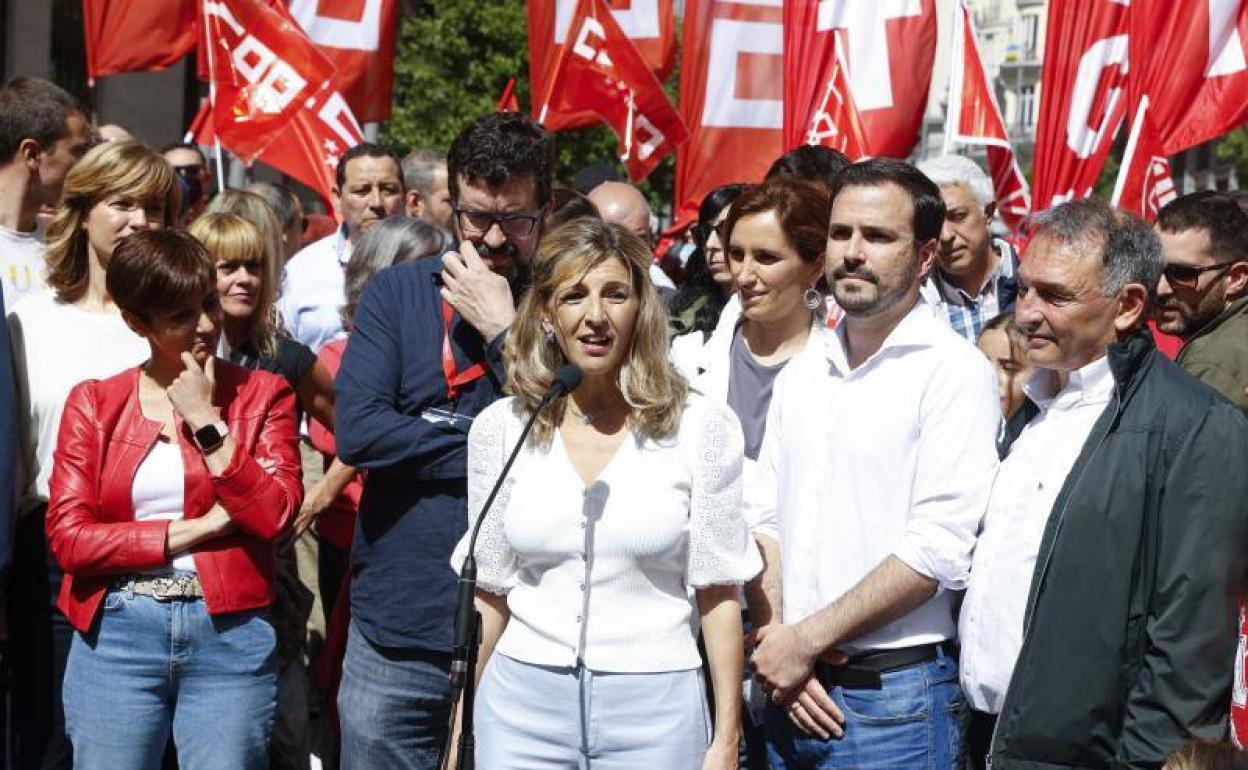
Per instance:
x=211, y=437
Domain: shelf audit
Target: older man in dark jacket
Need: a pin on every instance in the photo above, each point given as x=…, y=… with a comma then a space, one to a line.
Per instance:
x=1128, y=627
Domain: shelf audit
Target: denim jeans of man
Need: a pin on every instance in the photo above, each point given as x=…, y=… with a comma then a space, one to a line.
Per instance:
x=914, y=722
x=149, y=668
x=394, y=706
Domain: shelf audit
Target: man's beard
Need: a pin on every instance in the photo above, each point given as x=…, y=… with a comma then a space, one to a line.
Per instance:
x=887, y=295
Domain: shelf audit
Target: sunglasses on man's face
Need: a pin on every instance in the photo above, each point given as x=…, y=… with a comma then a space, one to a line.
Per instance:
x=1187, y=276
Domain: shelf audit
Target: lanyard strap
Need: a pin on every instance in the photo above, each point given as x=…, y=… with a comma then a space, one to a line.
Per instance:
x=454, y=377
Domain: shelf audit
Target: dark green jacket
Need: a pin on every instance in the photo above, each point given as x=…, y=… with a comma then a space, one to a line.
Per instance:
x=1218, y=354
x=1130, y=630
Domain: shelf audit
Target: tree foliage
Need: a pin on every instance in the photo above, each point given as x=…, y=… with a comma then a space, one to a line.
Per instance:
x=453, y=60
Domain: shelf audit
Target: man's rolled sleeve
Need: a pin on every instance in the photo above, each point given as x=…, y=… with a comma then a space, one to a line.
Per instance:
x=956, y=465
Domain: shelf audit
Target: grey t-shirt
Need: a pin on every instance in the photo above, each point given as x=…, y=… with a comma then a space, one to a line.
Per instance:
x=749, y=393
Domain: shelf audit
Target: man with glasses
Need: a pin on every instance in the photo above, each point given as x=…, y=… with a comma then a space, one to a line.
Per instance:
x=192, y=169
x=368, y=187
x=1202, y=293
x=425, y=358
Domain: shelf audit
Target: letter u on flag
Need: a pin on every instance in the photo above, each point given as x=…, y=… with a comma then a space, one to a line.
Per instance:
x=601, y=71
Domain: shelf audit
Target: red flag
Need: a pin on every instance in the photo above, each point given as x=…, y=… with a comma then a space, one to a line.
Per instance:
x=974, y=118
x=1082, y=100
x=137, y=35
x=889, y=48
x=309, y=149
x=1144, y=184
x=264, y=71
x=650, y=24
x=358, y=37
x=731, y=96
x=508, y=102
x=200, y=131
x=818, y=100
x=600, y=70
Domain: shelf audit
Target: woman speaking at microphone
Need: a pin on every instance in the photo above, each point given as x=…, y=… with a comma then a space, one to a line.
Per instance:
x=625, y=496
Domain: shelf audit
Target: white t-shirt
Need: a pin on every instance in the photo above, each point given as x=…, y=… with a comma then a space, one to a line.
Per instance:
x=55, y=347
x=158, y=493
x=22, y=267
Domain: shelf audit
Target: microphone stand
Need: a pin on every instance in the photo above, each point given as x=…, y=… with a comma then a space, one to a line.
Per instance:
x=467, y=619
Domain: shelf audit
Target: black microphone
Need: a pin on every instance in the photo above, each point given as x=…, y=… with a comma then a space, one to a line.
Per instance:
x=567, y=378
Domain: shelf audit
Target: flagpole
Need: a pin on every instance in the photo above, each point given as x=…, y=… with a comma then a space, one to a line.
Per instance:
x=957, y=65
x=1128, y=154
x=212, y=95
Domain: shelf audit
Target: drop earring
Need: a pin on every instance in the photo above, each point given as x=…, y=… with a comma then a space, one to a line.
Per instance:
x=811, y=298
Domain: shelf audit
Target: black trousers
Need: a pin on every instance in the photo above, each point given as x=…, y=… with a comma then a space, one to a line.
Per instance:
x=979, y=738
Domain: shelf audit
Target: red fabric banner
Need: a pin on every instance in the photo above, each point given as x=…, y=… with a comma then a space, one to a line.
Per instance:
x=358, y=36
x=818, y=100
x=975, y=119
x=601, y=71
x=731, y=96
x=1188, y=57
x=650, y=24
x=508, y=101
x=1144, y=184
x=264, y=70
x=137, y=35
x=1082, y=102
x=889, y=49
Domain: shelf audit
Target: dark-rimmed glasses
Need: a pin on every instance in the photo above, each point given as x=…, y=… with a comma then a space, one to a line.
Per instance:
x=480, y=222
x=1186, y=276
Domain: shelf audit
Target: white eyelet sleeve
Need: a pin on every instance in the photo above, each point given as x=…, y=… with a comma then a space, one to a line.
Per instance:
x=721, y=551
x=488, y=445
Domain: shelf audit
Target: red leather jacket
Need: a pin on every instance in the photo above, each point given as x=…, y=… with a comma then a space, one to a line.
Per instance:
x=103, y=439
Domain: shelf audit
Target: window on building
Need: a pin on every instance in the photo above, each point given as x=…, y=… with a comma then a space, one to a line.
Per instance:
x=1027, y=107
x=1031, y=31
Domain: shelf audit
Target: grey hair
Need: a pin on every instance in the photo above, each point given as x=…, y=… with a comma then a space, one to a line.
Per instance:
x=280, y=197
x=959, y=169
x=420, y=169
x=392, y=241
x=1130, y=250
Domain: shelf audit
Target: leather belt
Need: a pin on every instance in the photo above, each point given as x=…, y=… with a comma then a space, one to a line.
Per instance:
x=863, y=671
x=162, y=588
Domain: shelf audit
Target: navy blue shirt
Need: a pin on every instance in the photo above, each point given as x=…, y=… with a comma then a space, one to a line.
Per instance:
x=396, y=420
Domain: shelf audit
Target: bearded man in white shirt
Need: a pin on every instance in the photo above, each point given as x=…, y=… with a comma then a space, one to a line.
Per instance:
x=874, y=475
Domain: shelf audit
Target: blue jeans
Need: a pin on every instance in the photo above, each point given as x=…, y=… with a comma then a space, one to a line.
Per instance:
x=394, y=706
x=149, y=667
x=913, y=723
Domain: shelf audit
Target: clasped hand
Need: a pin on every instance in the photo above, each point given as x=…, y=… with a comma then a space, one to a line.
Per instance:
x=784, y=664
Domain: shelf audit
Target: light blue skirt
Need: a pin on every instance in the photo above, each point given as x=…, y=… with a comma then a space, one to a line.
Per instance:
x=532, y=717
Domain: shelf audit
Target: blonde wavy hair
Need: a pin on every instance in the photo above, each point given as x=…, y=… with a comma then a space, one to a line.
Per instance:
x=111, y=169
x=231, y=238
x=647, y=380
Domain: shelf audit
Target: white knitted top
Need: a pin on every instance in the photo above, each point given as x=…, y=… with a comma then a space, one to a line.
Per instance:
x=603, y=574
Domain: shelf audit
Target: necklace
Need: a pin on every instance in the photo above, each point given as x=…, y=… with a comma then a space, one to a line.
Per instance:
x=586, y=418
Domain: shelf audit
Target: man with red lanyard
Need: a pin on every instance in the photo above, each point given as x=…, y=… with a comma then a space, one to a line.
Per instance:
x=426, y=357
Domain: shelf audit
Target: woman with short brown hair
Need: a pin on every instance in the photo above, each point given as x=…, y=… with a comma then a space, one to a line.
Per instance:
x=170, y=482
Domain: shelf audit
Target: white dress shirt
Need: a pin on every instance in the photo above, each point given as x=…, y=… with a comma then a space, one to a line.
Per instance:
x=601, y=574
x=894, y=457
x=314, y=291
x=1027, y=486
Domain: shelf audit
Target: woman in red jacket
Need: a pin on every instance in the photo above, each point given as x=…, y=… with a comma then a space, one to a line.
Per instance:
x=170, y=481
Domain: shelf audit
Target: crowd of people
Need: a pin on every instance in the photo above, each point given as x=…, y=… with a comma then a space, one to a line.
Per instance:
x=845, y=479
